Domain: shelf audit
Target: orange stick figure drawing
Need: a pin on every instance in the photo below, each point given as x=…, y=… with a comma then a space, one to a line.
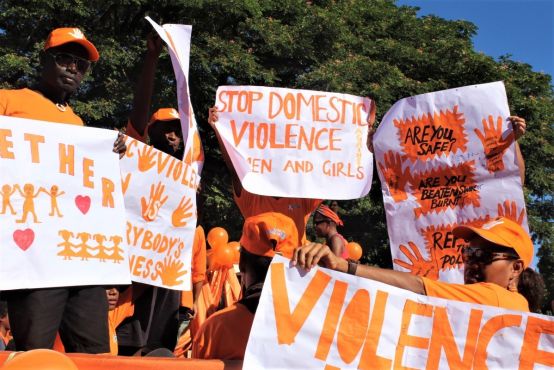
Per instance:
x=151, y=207
x=419, y=266
x=117, y=255
x=67, y=251
x=395, y=178
x=182, y=212
x=83, y=252
x=28, y=202
x=7, y=191
x=493, y=143
x=102, y=250
x=54, y=194
x=509, y=210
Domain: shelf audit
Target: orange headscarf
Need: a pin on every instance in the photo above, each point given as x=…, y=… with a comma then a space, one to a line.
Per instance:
x=328, y=212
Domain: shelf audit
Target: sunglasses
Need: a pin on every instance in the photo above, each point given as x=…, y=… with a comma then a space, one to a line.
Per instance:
x=486, y=256
x=66, y=59
x=319, y=222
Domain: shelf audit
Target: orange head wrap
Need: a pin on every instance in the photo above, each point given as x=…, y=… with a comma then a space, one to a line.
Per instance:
x=328, y=212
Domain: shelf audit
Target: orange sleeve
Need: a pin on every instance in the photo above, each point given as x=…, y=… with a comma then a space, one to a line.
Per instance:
x=125, y=307
x=310, y=205
x=471, y=293
x=199, y=256
x=130, y=131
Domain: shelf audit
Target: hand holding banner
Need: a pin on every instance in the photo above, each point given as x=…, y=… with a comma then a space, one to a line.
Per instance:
x=297, y=143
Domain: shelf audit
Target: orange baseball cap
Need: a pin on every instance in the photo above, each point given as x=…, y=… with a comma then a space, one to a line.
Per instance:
x=61, y=36
x=164, y=114
x=269, y=233
x=504, y=232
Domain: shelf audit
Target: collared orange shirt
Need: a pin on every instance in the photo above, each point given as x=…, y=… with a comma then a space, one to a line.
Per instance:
x=224, y=335
x=489, y=294
x=27, y=103
x=198, y=267
x=298, y=209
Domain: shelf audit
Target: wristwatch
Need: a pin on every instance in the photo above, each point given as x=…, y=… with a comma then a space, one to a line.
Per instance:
x=352, y=267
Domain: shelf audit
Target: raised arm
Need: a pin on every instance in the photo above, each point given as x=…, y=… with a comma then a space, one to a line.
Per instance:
x=312, y=254
x=145, y=85
x=519, y=125
x=213, y=116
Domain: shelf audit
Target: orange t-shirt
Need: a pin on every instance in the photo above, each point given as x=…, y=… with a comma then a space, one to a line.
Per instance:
x=198, y=267
x=6, y=338
x=488, y=294
x=27, y=103
x=298, y=209
x=224, y=335
x=125, y=308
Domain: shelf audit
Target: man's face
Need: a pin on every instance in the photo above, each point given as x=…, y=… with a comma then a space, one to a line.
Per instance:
x=63, y=67
x=167, y=137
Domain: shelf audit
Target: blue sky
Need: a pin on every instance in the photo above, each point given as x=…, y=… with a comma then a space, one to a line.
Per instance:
x=522, y=28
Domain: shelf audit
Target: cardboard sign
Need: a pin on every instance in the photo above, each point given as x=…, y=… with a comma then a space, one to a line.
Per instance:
x=296, y=143
x=324, y=319
x=177, y=37
x=444, y=159
x=160, y=200
x=62, y=217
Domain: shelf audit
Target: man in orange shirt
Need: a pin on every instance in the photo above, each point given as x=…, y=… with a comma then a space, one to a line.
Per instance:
x=496, y=268
x=224, y=335
x=78, y=312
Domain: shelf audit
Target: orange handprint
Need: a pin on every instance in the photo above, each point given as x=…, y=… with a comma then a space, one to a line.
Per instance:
x=172, y=270
x=182, y=212
x=493, y=143
x=146, y=158
x=394, y=176
x=419, y=266
x=509, y=210
x=150, y=208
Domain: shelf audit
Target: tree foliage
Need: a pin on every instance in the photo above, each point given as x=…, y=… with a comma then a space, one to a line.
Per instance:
x=372, y=48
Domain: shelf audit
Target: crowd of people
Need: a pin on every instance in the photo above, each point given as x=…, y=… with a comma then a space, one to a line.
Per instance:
x=213, y=320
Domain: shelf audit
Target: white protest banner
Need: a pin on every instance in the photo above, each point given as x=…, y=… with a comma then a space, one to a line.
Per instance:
x=160, y=200
x=177, y=37
x=62, y=221
x=296, y=143
x=323, y=319
x=446, y=158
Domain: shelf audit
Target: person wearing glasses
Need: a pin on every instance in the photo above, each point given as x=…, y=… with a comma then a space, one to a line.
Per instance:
x=80, y=313
x=325, y=224
x=497, y=268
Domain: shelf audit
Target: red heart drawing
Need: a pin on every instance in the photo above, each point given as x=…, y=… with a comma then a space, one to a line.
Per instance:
x=24, y=238
x=83, y=203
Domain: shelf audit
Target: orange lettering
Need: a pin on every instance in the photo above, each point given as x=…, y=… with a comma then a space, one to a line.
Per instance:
x=132, y=143
x=125, y=182
x=288, y=325
x=5, y=144
x=487, y=332
x=353, y=326
x=406, y=340
x=88, y=172
x=331, y=320
x=442, y=338
x=34, y=140
x=67, y=159
x=370, y=359
x=107, y=193
x=530, y=353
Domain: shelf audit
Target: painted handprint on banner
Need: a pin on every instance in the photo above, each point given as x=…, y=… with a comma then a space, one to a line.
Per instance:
x=395, y=178
x=494, y=145
x=509, y=210
x=151, y=207
x=146, y=158
x=182, y=213
x=172, y=271
x=419, y=266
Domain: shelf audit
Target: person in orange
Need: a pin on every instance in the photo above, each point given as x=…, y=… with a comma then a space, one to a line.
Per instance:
x=325, y=224
x=78, y=312
x=298, y=209
x=224, y=335
x=5, y=334
x=120, y=306
x=496, y=268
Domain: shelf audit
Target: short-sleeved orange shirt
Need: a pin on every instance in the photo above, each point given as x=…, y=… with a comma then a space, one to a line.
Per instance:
x=125, y=308
x=198, y=267
x=26, y=103
x=224, y=335
x=298, y=209
x=488, y=294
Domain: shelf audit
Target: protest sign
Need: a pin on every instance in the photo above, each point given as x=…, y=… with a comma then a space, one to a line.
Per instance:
x=444, y=159
x=160, y=201
x=297, y=143
x=62, y=220
x=323, y=319
x=177, y=37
